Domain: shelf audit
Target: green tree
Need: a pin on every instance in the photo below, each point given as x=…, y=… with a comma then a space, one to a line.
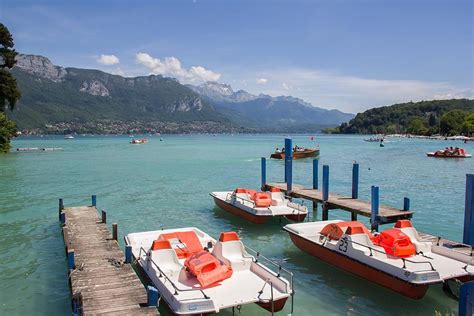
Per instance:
x=432, y=121
x=417, y=126
x=9, y=92
x=452, y=122
x=7, y=130
x=468, y=126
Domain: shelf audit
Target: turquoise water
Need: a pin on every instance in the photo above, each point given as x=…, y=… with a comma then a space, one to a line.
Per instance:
x=167, y=184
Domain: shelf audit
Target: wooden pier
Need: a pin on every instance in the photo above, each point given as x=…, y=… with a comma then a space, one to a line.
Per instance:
x=101, y=282
x=386, y=214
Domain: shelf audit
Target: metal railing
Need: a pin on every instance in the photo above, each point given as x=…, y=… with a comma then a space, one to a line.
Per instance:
x=296, y=206
x=256, y=258
x=230, y=195
x=404, y=260
x=267, y=281
x=162, y=274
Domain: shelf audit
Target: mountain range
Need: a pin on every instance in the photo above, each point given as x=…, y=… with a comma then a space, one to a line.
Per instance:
x=282, y=113
x=59, y=100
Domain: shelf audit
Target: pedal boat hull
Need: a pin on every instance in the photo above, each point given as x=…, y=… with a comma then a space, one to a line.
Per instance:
x=410, y=290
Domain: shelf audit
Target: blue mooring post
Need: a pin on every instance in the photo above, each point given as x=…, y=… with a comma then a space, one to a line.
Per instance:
x=374, y=208
x=94, y=200
x=466, y=299
x=355, y=180
x=325, y=183
x=70, y=259
x=152, y=296
x=128, y=254
x=406, y=204
x=62, y=217
x=288, y=164
x=325, y=214
x=264, y=172
x=315, y=174
x=468, y=236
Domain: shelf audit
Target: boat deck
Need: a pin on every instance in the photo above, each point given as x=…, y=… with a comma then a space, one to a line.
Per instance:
x=101, y=282
x=387, y=214
x=458, y=246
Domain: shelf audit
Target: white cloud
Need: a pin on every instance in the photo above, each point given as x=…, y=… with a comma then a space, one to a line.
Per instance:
x=108, y=60
x=262, y=81
x=352, y=93
x=118, y=71
x=171, y=66
x=286, y=86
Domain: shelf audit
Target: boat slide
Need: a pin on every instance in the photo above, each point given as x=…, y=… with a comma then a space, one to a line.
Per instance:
x=196, y=274
x=396, y=258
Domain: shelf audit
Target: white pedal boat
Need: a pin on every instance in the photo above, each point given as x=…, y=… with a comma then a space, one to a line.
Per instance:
x=197, y=274
x=396, y=258
x=258, y=207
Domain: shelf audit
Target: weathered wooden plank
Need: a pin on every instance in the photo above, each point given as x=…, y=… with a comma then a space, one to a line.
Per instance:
x=105, y=283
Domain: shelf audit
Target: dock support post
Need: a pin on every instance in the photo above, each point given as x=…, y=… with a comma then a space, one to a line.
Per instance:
x=128, y=254
x=406, y=204
x=70, y=259
x=61, y=207
x=104, y=217
x=152, y=296
x=353, y=216
x=315, y=174
x=325, y=192
x=355, y=180
x=374, y=208
x=288, y=165
x=466, y=299
x=315, y=186
x=62, y=217
x=264, y=172
x=325, y=183
x=468, y=236
x=94, y=200
x=114, y=231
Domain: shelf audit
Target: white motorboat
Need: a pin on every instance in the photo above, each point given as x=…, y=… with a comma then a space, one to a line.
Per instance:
x=196, y=274
x=396, y=258
x=68, y=137
x=258, y=207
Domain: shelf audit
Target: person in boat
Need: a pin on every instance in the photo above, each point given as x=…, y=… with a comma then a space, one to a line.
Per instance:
x=277, y=150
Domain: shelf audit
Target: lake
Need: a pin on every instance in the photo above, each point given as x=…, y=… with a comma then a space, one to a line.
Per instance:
x=166, y=185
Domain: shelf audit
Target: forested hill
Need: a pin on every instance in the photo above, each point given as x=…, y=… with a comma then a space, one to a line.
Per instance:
x=71, y=100
x=422, y=118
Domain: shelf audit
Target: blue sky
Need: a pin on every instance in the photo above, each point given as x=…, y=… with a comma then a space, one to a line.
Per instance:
x=349, y=55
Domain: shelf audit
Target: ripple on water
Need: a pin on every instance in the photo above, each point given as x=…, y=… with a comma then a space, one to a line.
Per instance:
x=167, y=184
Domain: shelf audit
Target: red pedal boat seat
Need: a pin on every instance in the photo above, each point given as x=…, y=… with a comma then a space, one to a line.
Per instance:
x=184, y=243
x=395, y=243
x=334, y=231
x=207, y=268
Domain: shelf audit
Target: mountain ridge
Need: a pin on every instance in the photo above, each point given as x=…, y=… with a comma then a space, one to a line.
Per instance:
x=56, y=99
x=281, y=113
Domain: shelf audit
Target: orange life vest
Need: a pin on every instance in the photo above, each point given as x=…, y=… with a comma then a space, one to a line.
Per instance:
x=262, y=199
x=207, y=268
x=395, y=242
